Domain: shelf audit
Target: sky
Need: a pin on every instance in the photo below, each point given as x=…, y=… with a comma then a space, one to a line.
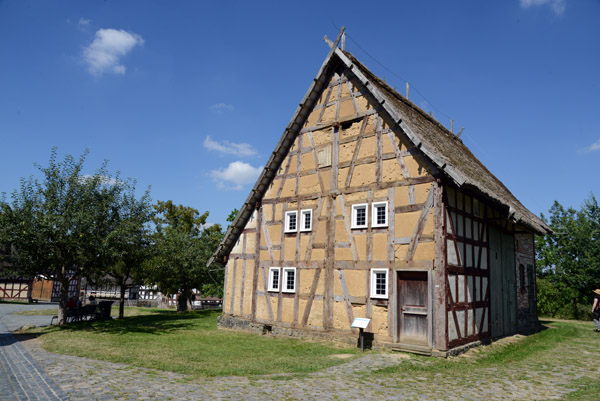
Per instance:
x=190, y=98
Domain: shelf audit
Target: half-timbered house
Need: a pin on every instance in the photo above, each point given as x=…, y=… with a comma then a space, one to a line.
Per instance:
x=369, y=207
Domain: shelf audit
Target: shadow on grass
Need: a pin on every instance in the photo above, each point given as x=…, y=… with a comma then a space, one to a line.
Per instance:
x=158, y=323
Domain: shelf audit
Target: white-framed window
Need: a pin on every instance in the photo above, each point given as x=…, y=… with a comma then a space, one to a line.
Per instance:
x=379, y=283
x=379, y=214
x=291, y=222
x=306, y=220
x=359, y=216
x=288, y=282
x=274, y=279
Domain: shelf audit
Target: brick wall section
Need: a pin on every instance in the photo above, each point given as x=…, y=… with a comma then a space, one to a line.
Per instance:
x=524, y=260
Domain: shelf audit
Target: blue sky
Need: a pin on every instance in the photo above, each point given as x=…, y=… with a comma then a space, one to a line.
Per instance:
x=191, y=97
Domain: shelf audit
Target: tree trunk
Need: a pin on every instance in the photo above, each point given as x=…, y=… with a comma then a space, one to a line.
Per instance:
x=182, y=301
x=122, y=301
x=64, y=297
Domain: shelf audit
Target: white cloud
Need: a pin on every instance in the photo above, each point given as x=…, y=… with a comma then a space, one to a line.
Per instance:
x=221, y=108
x=104, y=53
x=237, y=173
x=592, y=148
x=83, y=22
x=558, y=6
x=230, y=148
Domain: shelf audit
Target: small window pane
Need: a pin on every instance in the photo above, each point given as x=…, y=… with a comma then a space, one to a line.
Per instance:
x=289, y=285
x=379, y=213
x=380, y=283
x=291, y=221
x=306, y=222
x=361, y=216
x=274, y=279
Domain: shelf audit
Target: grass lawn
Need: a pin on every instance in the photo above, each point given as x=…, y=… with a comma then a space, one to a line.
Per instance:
x=562, y=348
x=129, y=311
x=14, y=302
x=187, y=343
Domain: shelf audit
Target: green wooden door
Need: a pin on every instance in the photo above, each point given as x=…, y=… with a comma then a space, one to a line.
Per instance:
x=496, y=282
x=503, y=290
x=509, y=284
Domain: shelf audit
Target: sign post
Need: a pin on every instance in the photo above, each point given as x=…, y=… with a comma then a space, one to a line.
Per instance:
x=361, y=323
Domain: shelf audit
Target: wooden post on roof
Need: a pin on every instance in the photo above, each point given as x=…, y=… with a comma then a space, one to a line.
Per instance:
x=407, y=87
x=452, y=125
x=344, y=41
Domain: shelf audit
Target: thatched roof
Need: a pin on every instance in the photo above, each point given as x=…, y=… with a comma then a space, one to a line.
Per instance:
x=441, y=147
x=449, y=153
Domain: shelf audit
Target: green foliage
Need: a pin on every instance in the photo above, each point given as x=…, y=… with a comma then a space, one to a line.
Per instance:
x=548, y=296
x=232, y=215
x=58, y=226
x=569, y=261
x=183, y=244
x=128, y=245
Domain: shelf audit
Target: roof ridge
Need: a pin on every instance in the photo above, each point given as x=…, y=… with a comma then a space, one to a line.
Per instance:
x=399, y=96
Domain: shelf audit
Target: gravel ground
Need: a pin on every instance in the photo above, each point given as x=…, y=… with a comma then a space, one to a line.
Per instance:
x=86, y=379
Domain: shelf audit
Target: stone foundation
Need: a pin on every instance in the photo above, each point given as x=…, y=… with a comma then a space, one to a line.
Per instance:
x=240, y=324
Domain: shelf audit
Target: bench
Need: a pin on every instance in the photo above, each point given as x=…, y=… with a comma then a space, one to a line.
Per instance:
x=86, y=312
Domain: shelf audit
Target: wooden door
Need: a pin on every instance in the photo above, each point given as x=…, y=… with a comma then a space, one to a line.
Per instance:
x=509, y=284
x=503, y=290
x=413, y=307
x=42, y=290
x=496, y=282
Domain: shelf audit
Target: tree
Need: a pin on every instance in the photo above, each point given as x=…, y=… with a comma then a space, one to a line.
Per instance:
x=183, y=243
x=57, y=227
x=568, y=262
x=216, y=272
x=128, y=245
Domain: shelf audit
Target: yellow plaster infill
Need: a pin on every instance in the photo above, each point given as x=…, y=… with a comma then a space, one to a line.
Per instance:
x=361, y=246
x=346, y=151
x=363, y=175
x=355, y=281
x=425, y=251
x=352, y=130
x=343, y=254
x=308, y=162
x=322, y=137
x=380, y=247
x=367, y=148
x=309, y=184
x=342, y=177
x=316, y=314
x=379, y=322
x=406, y=223
x=287, y=310
x=340, y=316
x=391, y=171
x=289, y=249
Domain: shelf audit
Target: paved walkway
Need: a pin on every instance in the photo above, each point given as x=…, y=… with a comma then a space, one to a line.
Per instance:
x=87, y=379
x=21, y=377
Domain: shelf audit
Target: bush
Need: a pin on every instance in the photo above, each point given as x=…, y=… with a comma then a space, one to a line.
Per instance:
x=552, y=303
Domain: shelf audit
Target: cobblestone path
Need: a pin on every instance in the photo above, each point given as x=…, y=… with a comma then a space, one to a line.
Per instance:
x=550, y=377
x=85, y=379
x=21, y=377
